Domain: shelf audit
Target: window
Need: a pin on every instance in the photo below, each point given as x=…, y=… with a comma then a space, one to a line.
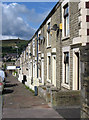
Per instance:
x=39, y=69
x=33, y=47
x=48, y=35
x=29, y=49
x=48, y=27
x=39, y=42
x=39, y=45
x=49, y=68
x=66, y=20
x=24, y=55
x=66, y=67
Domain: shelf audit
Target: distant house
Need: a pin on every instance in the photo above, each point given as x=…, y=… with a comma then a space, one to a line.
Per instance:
x=10, y=57
x=11, y=69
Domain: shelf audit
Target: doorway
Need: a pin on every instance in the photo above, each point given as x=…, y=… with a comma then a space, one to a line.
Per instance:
x=76, y=76
x=42, y=68
x=54, y=70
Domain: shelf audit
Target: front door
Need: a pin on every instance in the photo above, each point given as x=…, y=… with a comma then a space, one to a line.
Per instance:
x=54, y=70
x=42, y=68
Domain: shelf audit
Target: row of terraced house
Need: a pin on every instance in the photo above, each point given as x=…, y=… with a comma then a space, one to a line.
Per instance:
x=51, y=60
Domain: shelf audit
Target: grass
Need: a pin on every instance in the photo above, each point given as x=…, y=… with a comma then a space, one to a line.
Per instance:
x=8, y=46
x=29, y=89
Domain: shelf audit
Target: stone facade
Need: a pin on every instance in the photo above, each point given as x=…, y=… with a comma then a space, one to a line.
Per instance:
x=84, y=51
x=51, y=61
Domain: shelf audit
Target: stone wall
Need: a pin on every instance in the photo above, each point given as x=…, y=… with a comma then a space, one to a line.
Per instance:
x=84, y=58
x=65, y=98
x=74, y=32
x=44, y=93
x=55, y=19
x=59, y=98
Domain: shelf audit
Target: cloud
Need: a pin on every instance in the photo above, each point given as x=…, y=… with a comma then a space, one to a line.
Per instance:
x=5, y=37
x=17, y=20
x=13, y=23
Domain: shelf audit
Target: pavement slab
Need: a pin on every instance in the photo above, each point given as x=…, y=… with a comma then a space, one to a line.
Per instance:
x=30, y=113
x=19, y=102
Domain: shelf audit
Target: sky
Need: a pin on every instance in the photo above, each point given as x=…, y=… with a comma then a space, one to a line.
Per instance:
x=22, y=19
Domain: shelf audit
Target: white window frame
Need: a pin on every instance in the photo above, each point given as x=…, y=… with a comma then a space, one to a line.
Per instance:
x=42, y=70
x=39, y=33
x=35, y=67
x=33, y=47
x=49, y=21
x=29, y=50
x=63, y=30
x=24, y=55
x=74, y=87
x=30, y=68
x=65, y=49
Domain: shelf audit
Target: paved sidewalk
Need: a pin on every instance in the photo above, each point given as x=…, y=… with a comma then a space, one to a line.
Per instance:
x=21, y=103
x=72, y=112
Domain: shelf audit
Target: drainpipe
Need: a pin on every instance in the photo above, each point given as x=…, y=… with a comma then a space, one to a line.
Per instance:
x=60, y=41
x=37, y=55
x=35, y=87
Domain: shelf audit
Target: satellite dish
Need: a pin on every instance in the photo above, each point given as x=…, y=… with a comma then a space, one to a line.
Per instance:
x=54, y=27
x=41, y=37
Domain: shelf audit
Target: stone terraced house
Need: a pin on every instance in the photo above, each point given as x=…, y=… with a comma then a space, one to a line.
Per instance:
x=51, y=61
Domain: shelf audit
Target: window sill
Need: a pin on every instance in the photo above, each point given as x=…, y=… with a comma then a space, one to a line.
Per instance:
x=65, y=38
x=65, y=86
x=48, y=47
x=48, y=80
x=39, y=52
x=40, y=80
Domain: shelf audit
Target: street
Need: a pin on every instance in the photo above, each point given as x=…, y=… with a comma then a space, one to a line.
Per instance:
x=19, y=102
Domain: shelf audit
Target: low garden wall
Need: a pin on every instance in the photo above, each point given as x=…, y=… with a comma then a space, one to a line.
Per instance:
x=65, y=98
x=59, y=98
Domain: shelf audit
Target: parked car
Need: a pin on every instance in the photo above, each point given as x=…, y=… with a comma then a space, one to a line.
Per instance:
x=1, y=87
x=2, y=80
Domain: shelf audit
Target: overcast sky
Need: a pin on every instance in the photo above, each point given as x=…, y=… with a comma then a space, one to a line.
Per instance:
x=23, y=19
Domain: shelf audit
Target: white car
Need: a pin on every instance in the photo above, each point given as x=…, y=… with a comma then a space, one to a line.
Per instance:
x=2, y=80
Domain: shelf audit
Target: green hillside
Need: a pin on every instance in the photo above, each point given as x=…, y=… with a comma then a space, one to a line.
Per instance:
x=9, y=46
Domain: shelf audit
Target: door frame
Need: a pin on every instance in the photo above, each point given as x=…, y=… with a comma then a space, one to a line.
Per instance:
x=54, y=70
x=76, y=69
